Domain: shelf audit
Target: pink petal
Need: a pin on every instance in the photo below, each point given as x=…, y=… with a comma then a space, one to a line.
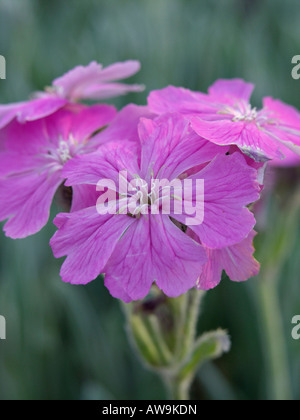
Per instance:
x=290, y=159
x=171, y=147
x=26, y=200
x=24, y=139
x=234, y=88
x=229, y=186
x=106, y=163
x=129, y=272
x=8, y=113
x=125, y=125
x=90, y=82
x=40, y=108
x=153, y=249
x=71, y=84
x=13, y=162
x=174, y=99
x=176, y=257
x=286, y=129
x=286, y=114
x=84, y=196
x=119, y=71
x=91, y=119
x=102, y=91
x=236, y=260
x=88, y=239
x=248, y=137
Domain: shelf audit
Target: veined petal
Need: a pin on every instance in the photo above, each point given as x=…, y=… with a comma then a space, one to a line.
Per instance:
x=170, y=147
x=39, y=108
x=90, y=82
x=178, y=261
x=236, y=260
x=83, y=196
x=231, y=89
x=28, y=138
x=8, y=113
x=124, y=126
x=13, y=162
x=129, y=272
x=91, y=119
x=26, y=200
x=248, y=137
x=88, y=239
x=106, y=163
x=119, y=71
x=229, y=186
x=176, y=99
x=110, y=90
x=153, y=250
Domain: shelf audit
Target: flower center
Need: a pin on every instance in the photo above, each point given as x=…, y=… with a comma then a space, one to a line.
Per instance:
x=144, y=198
x=242, y=111
x=64, y=152
x=245, y=113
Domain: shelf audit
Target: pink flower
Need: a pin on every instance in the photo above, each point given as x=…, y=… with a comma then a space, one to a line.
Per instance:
x=225, y=116
x=290, y=160
x=90, y=82
x=237, y=260
x=135, y=250
x=32, y=157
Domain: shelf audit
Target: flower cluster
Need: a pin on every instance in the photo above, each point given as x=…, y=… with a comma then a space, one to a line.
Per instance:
x=137, y=213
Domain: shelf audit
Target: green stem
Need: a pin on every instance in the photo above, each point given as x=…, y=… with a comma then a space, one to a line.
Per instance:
x=279, y=241
x=165, y=337
x=275, y=346
x=189, y=323
x=178, y=390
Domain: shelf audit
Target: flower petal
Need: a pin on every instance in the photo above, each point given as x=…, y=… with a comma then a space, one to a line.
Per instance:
x=236, y=260
x=90, y=82
x=231, y=88
x=176, y=99
x=154, y=249
x=26, y=200
x=90, y=119
x=119, y=71
x=88, y=239
x=125, y=125
x=110, y=90
x=229, y=185
x=24, y=139
x=40, y=108
x=248, y=137
x=106, y=163
x=170, y=147
x=176, y=257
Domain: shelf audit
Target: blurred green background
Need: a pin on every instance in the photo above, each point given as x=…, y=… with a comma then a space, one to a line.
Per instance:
x=67, y=342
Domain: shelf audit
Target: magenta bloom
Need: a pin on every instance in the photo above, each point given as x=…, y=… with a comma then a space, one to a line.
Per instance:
x=32, y=157
x=225, y=117
x=237, y=260
x=90, y=82
x=135, y=250
x=290, y=160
